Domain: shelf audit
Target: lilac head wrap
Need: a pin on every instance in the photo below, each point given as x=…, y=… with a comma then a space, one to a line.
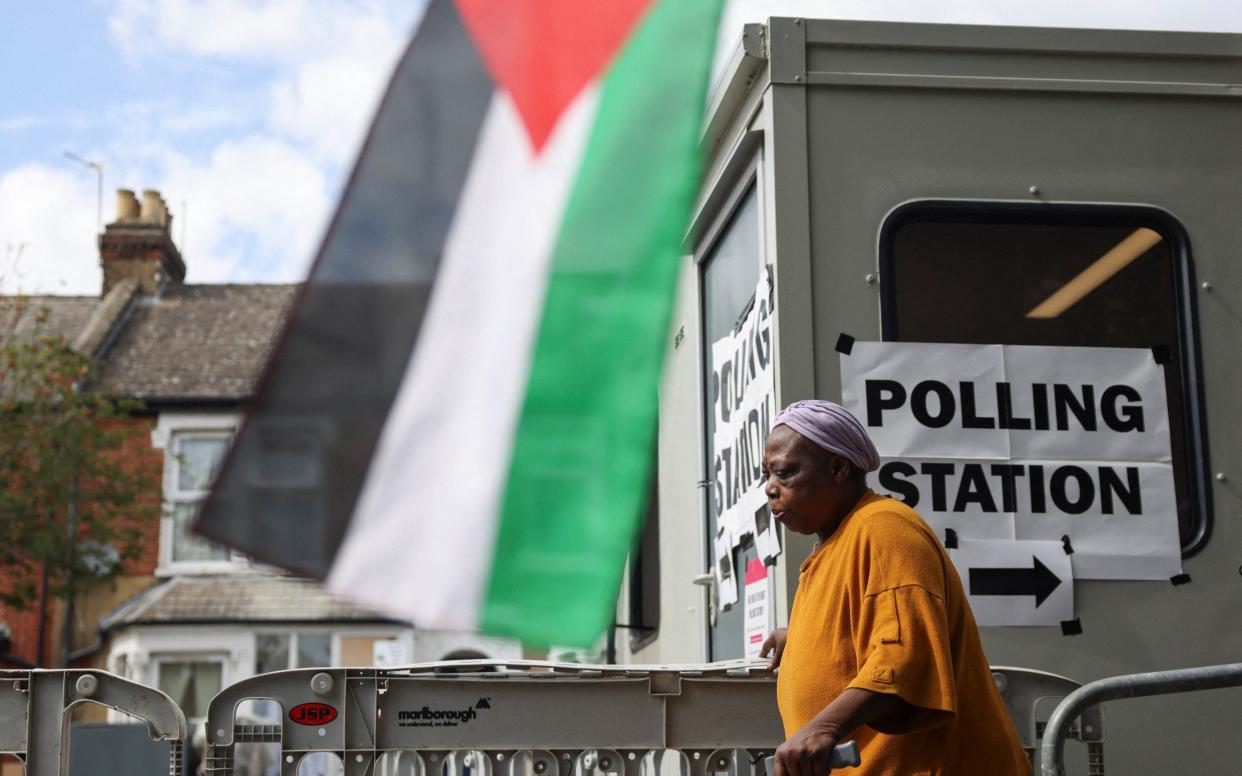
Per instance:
x=833, y=428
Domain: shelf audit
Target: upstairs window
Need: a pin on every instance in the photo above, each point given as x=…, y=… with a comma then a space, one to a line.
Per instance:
x=195, y=459
x=194, y=448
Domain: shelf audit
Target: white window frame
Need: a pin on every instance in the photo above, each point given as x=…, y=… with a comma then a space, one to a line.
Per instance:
x=293, y=632
x=159, y=659
x=169, y=429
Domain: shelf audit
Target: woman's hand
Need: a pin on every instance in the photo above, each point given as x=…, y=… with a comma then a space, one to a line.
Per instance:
x=776, y=645
x=807, y=752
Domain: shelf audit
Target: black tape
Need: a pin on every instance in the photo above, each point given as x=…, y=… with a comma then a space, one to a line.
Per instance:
x=1071, y=627
x=950, y=539
x=845, y=344
x=1065, y=544
x=1180, y=579
x=1162, y=354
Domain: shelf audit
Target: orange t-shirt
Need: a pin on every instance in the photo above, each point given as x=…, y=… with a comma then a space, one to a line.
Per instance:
x=880, y=607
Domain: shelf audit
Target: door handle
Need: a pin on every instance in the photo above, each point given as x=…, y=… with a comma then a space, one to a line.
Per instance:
x=708, y=580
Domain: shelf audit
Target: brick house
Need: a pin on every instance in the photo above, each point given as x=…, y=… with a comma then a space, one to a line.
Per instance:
x=190, y=617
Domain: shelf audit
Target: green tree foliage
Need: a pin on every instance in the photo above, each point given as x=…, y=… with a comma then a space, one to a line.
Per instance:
x=66, y=487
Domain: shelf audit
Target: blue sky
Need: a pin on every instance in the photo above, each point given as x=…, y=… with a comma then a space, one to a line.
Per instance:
x=246, y=114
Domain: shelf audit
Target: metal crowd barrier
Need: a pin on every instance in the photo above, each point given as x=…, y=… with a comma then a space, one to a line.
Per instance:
x=493, y=717
x=1083, y=701
x=1029, y=697
x=35, y=710
x=521, y=718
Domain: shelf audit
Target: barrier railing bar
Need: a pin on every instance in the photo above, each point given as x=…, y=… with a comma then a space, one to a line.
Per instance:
x=1052, y=747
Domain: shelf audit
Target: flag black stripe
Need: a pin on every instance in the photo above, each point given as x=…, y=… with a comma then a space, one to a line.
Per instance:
x=289, y=485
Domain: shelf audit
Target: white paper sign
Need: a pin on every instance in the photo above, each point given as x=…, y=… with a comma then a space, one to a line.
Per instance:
x=743, y=405
x=1020, y=442
x=757, y=600
x=1016, y=583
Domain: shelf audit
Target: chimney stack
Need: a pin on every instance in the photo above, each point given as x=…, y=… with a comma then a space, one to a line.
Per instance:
x=139, y=244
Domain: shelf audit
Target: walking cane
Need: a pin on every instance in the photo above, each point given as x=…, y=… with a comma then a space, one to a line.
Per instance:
x=843, y=756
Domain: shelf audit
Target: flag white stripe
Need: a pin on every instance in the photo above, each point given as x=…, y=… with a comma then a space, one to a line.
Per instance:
x=421, y=540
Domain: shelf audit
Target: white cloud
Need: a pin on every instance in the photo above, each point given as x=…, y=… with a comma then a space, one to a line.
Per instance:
x=329, y=60
x=289, y=31
x=256, y=210
x=48, y=216
x=219, y=28
x=18, y=123
x=329, y=100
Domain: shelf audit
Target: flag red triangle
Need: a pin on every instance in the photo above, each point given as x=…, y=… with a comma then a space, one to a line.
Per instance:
x=543, y=52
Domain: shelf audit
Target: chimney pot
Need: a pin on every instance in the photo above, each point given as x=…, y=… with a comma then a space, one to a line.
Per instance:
x=150, y=213
x=126, y=205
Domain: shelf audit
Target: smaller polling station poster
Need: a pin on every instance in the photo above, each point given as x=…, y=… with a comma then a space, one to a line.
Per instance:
x=743, y=398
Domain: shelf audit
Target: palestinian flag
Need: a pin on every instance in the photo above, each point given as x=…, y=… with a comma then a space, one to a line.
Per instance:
x=456, y=428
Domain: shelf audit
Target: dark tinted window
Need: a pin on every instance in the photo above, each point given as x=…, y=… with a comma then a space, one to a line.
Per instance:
x=1045, y=275
x=730, y=272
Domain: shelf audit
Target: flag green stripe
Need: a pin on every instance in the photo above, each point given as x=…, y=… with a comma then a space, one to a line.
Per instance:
x=582, y=454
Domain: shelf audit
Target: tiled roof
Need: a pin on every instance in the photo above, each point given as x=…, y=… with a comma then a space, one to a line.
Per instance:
x=235, y=598
x=63, y=315
x=198, y=342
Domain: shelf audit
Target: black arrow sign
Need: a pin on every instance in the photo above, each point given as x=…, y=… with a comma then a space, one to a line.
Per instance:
x=1037, y=581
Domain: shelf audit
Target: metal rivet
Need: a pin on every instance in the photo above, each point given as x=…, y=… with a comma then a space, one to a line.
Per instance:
x=435, y=757
x=605, y=764
x=1034, y=191
x=323, y=732
x=87, y=684
x=798, y=78
x=468, y=760
x=565, y=756
x=220, y=733
x=631, y=755
x=697, y=755
x=797, y=22
x=321, y=683
x=288, y=758
x=357, y=758
x=541, y=766
x=1206, y=286
x=722, y=763
x=500, y=757
x=1220, y=477
x=871, y=278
